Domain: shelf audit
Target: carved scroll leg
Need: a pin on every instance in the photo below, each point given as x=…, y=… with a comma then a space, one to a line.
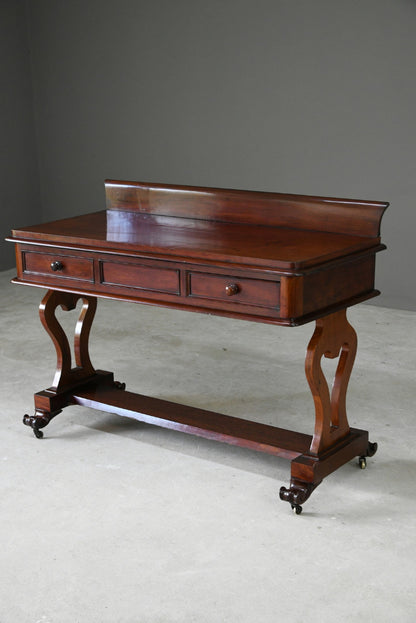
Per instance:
x=297, y=494
x=39, y=420
x=50, y=402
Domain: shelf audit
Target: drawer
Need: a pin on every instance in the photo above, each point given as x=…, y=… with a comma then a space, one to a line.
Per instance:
x=140, y=276
x=230, y=289
x=58, y=266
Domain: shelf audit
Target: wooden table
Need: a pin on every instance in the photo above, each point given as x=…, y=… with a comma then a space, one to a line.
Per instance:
x=268, y=257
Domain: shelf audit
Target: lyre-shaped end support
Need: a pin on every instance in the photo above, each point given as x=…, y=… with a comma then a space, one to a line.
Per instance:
x=68, y=378
x=66, y=375
x=333, y=337
x=51, y=401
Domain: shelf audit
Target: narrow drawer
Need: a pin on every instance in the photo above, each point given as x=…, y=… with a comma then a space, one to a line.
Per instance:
x=140, y=276
x=58, y=266
x=231, y=289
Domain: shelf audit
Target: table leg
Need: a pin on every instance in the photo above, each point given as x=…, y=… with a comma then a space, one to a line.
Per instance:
x=333, y=442
x=49, y=403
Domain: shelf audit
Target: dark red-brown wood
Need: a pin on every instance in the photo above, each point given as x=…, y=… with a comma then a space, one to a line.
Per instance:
x=340, y=216
x=271, y=247
x=269, y=257
x=200, y=422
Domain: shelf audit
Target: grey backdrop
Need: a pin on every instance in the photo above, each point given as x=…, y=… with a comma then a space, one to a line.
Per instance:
x=303, y=96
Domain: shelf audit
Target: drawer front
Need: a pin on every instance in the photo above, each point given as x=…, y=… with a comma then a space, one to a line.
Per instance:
x=58, y=266
x=140, y=276
x=230, y=289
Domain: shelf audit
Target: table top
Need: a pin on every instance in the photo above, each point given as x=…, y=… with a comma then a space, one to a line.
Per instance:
x=197, y=239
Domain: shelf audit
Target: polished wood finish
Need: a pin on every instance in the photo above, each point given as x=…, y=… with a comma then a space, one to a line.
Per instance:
x=66, y=267
x=67, y=375
x=325, y=214
x=51, y=401
x=256, y=292
x=247, y=245
x=186, y=419
x=333, y=337
x=269, y=257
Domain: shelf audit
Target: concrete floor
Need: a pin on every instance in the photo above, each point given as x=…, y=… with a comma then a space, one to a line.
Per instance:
x=110, y=520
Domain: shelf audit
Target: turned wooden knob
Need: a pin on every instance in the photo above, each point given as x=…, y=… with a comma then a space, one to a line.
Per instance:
x=57, y=266
x=231, y=289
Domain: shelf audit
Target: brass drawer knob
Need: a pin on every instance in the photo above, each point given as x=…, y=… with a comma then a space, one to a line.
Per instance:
x=231, y=289
x=57, y=266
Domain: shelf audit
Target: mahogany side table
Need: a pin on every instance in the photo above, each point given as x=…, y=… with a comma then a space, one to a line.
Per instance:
x=267, y=257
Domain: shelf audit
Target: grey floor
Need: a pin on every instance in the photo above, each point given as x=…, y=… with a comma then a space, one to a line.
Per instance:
x=110, y=520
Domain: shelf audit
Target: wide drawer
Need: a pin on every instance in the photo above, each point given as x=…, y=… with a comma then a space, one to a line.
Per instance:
x=57, y=266
x=141, y=276
x=231, y=289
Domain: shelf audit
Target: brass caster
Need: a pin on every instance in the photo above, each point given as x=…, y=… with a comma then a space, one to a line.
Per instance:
x=119, y=385
x=296, y=508
x=362, y=462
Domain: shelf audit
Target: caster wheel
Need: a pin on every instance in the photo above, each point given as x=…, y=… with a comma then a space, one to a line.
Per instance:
x=297, y=509
x=362, y=462
x=119, y=385
x=38, y=433
x=31, y=421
